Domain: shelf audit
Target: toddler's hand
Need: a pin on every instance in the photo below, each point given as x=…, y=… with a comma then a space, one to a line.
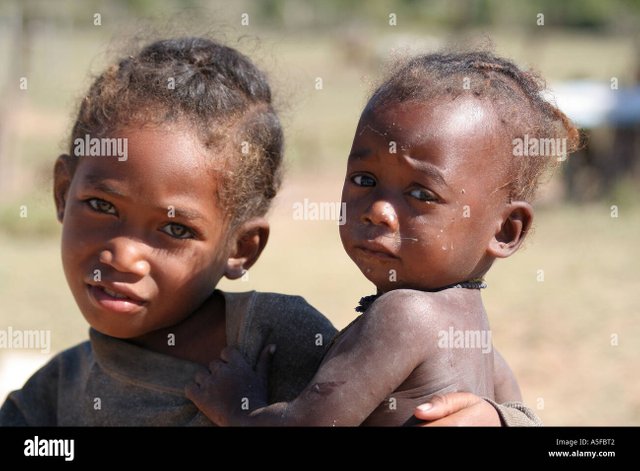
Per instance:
x=231, y=389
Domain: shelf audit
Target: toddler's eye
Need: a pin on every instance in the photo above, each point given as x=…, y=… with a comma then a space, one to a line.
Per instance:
x=101, y=206
x=423, y=195
x=178, y=231
x=363, y=180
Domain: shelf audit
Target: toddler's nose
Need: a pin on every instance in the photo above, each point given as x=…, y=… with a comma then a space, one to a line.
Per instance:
x=381, y=213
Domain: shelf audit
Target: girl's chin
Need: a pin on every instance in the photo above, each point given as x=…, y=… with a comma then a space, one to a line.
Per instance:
x=117, y=328
x=111, y=331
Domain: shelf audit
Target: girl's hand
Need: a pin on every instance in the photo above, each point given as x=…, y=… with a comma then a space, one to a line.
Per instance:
x=231, y=389
x=457, y=409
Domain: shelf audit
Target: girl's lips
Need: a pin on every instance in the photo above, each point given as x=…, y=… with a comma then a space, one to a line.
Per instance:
x=116, y=303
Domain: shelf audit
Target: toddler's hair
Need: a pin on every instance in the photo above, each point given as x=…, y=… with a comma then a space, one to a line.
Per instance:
x=213, y=89
x=514, y=93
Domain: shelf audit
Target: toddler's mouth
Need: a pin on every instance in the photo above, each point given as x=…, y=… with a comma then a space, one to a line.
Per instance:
x=373, y=248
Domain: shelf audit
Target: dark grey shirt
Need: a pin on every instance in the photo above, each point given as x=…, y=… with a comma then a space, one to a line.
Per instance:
x=108, y=381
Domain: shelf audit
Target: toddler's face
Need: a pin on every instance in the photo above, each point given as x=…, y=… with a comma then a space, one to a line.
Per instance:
x=424, y=193
x=143, y=241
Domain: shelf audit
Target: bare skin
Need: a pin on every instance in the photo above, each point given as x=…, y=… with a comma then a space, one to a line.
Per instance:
x=117, y=220
x=433, y=213
x=118, y=224
x=457, y=409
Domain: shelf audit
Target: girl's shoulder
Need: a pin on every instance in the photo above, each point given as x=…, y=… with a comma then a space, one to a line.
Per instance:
x=300, y=333
x=254, y=313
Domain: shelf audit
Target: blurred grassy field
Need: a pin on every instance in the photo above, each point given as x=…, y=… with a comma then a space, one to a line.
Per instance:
x=556, y=333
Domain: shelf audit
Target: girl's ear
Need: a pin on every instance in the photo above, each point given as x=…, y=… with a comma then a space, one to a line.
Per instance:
x=516, y=222
x=62, y=175
x=250, y=239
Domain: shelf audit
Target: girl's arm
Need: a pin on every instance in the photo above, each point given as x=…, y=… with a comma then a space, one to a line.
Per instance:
x=366, y=364
x=467, y=410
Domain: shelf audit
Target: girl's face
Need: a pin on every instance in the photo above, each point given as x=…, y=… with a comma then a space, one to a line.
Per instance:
x=144, y=241
x=423, y=193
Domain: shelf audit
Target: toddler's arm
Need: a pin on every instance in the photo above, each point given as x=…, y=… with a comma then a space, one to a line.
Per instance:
x=366, y=364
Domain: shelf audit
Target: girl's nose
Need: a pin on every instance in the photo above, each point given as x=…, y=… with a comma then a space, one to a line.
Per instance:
x=381, y=213
x=126, y=256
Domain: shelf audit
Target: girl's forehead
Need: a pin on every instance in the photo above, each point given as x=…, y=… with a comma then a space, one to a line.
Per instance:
x=175, y=149
x=160, y=165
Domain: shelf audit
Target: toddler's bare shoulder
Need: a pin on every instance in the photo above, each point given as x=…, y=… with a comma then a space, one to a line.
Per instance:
x=417, y=308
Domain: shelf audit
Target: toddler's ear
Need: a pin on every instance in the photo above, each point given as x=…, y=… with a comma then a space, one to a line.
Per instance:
x=62, y=175
x=250, y=239
x=517, y=217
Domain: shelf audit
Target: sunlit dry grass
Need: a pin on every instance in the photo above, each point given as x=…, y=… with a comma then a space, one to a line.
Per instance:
x=573, y=338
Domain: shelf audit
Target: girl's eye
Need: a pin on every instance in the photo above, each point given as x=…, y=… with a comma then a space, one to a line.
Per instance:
x=101, y=206
x=178, y=231
x=423, y=195
x=363, y=180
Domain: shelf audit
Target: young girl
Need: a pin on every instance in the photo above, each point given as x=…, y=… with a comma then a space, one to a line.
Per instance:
x=174, y=160
x=435, y=192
